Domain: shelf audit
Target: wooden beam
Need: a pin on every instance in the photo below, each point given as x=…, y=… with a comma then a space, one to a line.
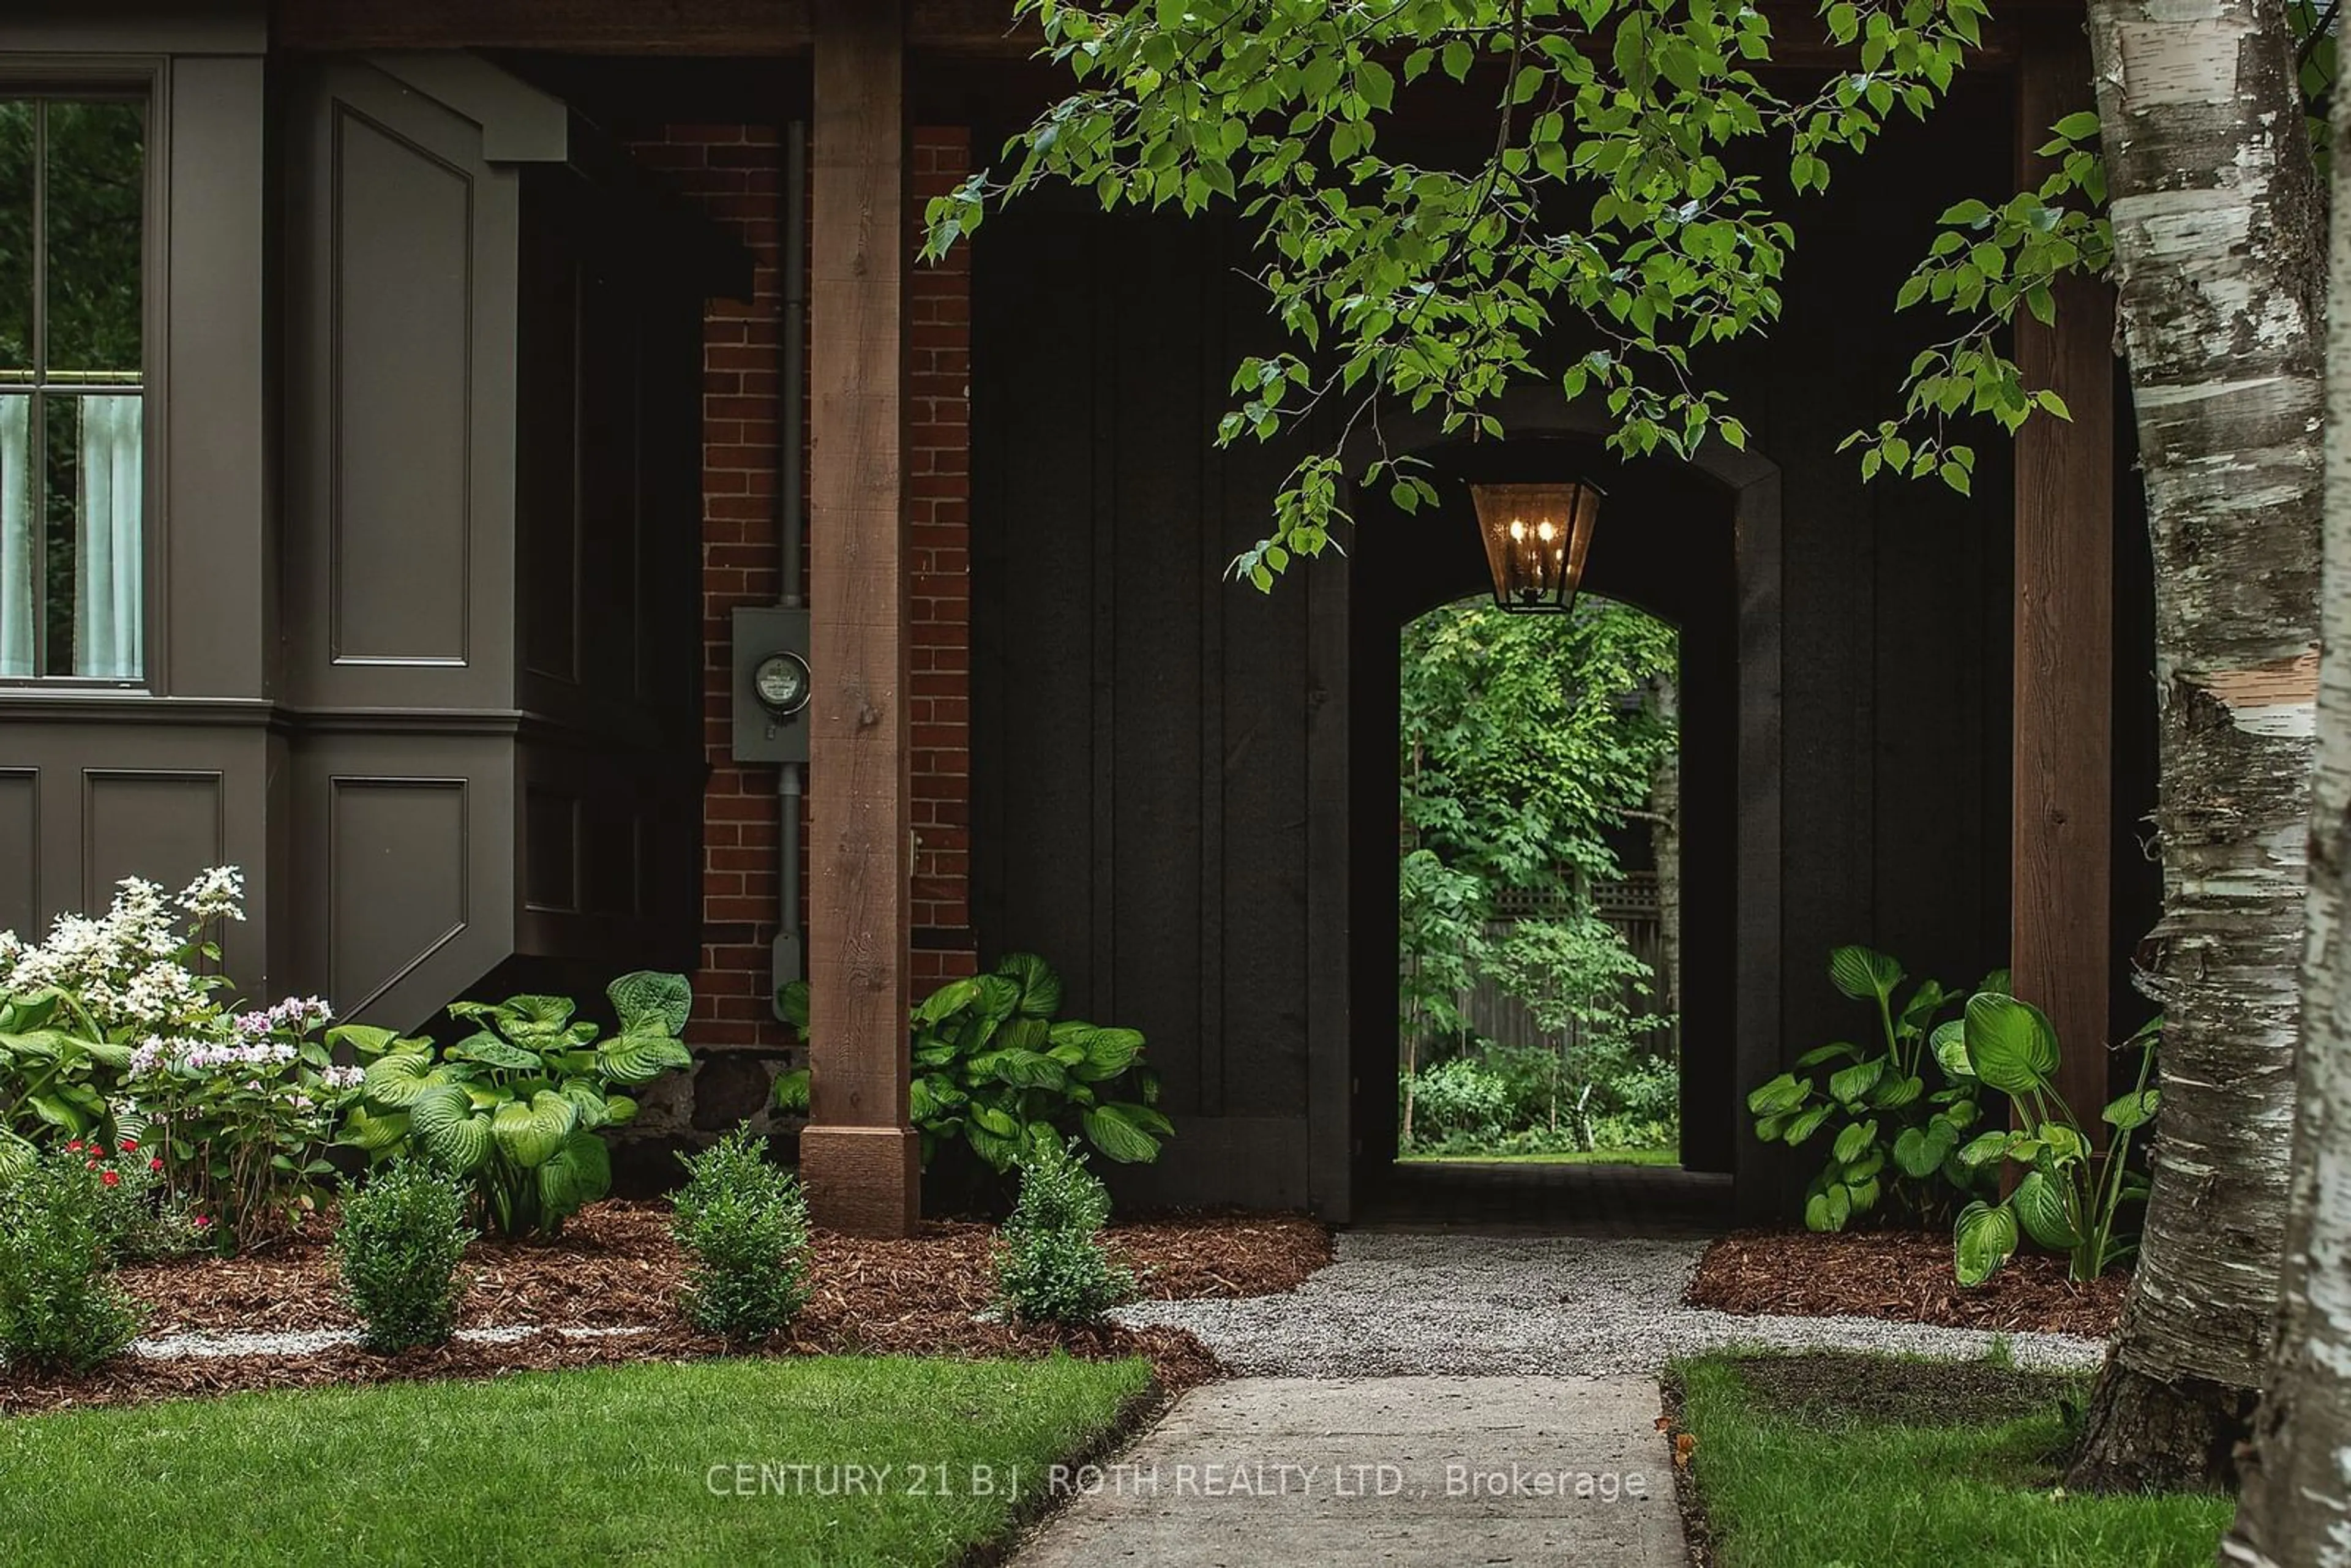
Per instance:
x=2060, y=946
x=952, y=29
x=765, y=28
x=858, y=1155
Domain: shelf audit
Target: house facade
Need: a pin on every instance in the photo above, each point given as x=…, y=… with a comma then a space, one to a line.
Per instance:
x=424, y=426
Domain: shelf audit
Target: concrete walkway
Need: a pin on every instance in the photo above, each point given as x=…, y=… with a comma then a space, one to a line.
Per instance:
x=1443, y=1398
x=1565, y=1472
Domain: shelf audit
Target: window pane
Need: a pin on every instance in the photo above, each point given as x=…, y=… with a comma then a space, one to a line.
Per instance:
x=16, y=237
x=20, y=599
x=94, y=568
x=92, y=207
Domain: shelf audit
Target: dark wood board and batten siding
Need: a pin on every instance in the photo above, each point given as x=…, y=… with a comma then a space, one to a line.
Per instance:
x=1162, y=758
x=1142, y=795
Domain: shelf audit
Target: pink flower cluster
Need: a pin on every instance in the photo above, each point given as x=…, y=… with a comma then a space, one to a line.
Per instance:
x=299, y=1014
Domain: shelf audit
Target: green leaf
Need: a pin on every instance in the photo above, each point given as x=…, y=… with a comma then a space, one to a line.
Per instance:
x=2041, y=1206
x=1119, y=1131
x=650, y=1003
x=1027, y=1068
x=1040, y=988
x=579, y=1173
x=1864, y=974
x=397, y=1080
x=1778, y=1095
x=444, y=1124
x=1949, y=1044
x=374, y=1130
x=2010, y=1043
x=1849, y=1084
x=1837, y=1051
x=529, y=1132
x=1983, y=1147
x=1109, y=1052
x=792, y=1090
x=1891, y=1094
x=2134, y=1110
x=1852, y=1139
x=492, y=1052
x=1920, y=1150
x=1829, y=1208
x=792, y=1004
x=364, y=1040
x=1806, y=1124
x=1983, y=1238
x=545, y=1015
x=588, y=1103
x=635, y=1059
x=2079, y=126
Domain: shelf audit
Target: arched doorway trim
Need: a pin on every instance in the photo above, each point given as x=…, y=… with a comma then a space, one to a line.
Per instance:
x=1753, y=486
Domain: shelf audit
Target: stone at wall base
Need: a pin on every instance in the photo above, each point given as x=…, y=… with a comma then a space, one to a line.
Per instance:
x=861, y=1181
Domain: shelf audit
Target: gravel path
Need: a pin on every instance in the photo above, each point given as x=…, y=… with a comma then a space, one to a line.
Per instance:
x=1398, y=1305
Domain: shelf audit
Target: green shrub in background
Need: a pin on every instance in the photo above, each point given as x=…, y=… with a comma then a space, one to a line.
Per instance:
x=60, y=1306
x=398, y=1246
x=1878, y=1104
x=1051, y=1264
x=995, y=1068
x=518, y=1109
x=1461, y=1097
x=744, y=1223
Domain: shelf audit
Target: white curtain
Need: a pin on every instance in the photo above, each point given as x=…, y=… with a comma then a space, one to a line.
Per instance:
x=18, y=558
x=107, y=537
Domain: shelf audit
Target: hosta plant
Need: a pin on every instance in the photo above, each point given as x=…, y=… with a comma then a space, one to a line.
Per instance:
x=518, y=1108
x=995, y=1068
x=2072, y=1192
x=1896, y=1112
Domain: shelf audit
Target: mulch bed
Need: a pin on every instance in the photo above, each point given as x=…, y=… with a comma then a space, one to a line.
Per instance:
x=615, y=1265
x=1905, y=1275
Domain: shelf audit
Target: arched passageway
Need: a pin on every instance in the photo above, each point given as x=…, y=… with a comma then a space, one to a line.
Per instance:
x=1695, y=544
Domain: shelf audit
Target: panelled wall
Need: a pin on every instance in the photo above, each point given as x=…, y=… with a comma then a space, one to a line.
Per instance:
x=182, y=771
x=414, y=580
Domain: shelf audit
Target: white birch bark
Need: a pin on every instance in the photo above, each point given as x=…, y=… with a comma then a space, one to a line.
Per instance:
x=2217, y=229
x=2297, y=1498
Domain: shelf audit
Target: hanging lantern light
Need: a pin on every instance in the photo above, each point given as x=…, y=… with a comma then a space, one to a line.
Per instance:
x=1536, y=539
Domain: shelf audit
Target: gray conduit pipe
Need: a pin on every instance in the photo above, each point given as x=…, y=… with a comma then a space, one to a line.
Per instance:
x=789, y=959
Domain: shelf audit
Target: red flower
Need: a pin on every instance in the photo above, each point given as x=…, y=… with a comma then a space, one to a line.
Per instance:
x=74, y=1147
x=156, y=1164
x=93, y=1165
x=202, y=1220
x=130, y=1146
x=112, y=1178
x=98, y=1149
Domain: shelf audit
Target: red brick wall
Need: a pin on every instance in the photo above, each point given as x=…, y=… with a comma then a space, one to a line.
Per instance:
x=938, y=478
x=735, y=171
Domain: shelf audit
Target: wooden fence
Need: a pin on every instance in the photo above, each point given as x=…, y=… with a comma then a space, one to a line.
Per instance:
x=1630, y=905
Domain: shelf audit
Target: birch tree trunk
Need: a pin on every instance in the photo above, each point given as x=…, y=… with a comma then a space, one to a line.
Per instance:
x=2218, y=252
x=2297, y=1501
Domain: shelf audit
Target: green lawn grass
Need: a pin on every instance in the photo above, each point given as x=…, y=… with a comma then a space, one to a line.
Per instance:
x=631, y=1465
x=1593, y=1157
x=1865, y=1481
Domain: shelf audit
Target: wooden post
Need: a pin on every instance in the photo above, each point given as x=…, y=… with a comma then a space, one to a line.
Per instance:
x=858, y=1154
x=2060, y=946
